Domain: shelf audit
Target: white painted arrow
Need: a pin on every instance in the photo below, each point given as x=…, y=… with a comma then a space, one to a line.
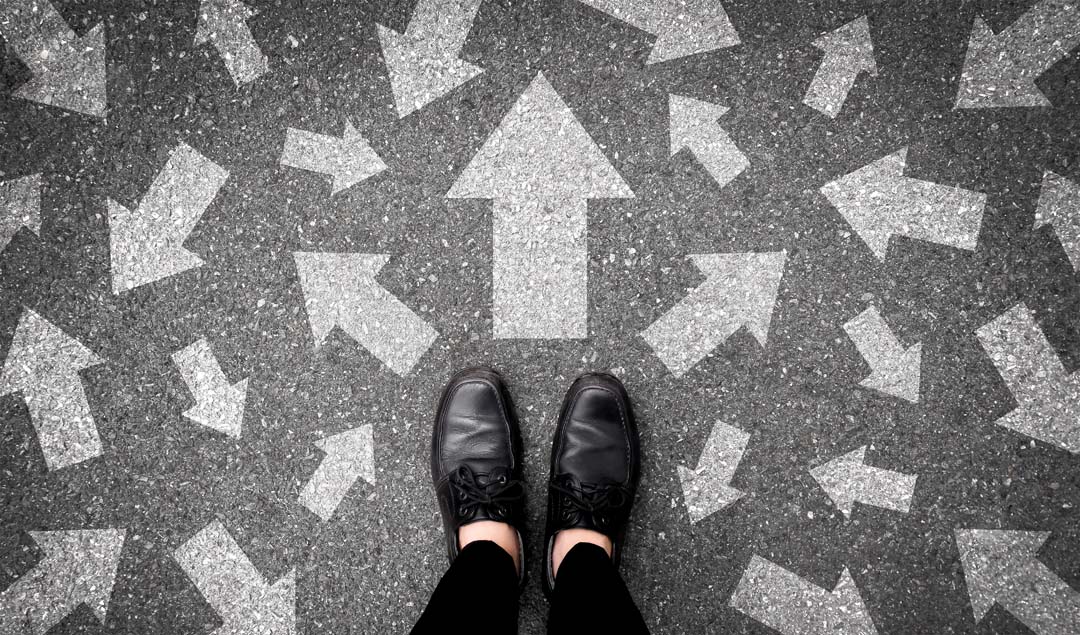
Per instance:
x=894, y=370
x=78, y=567
x=706, y=490
x=342, y=290
x=44, y=364
x=69, y=71
x=1002, y=567
x=540, y=166
x=224, y=24
x=693, y=126
x=878, y=201
x=681, y=27
x=1000, y=70
x=1059, y=207
x=423, y=63
x=349, y=160
x=232, y=585
x=1044, y=391
x=219, y=404
x=848, y=479
x=787, y=603
x=739, y=290
x=147, y=244
x=20, y=206
x=349, y=455
x=849, y=51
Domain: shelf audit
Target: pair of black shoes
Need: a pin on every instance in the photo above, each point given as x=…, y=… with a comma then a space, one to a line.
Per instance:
x=477, y=467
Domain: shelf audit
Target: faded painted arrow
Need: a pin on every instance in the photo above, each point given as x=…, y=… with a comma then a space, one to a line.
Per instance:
x=348, y=160
x=78, y=567
x=69, y=71
x=787, y=603
x=235, y=589
x=423, y=63
x=342, y=290
x=20, y=206
x=681, y=27
x=540, y=166
x=848, y=52
x=1059, y=207
x=848, y=479
x=1044, y=391
x=224, y=24
x=894, y=370
x=349, y=455
x=147, y=244
x=44, y=364
x=693, y=126
x=707, y=489
x=219, y=404
x=878, y=201
x=1002, y=567
x=1000, y=70
x=739, y=290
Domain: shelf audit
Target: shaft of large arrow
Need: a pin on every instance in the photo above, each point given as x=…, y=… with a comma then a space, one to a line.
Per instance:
x=31, y=27
x=1043, y=35
x=874, y=339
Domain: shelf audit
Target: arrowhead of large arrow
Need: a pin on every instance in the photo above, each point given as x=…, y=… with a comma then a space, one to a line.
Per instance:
x=858, y=196
x=356, y=162
x=213, y=13
x=991, y=79
x=900, y=378
x=133, y=266
x=418, y=78
x=272, y=611
x=990, y=558
x=83, y=562
x=223, y=412
x=694, y=26
x=72, y=76
x=354, y=448
x=704, y=497
x=326, y=278
x=40, y=351
x=836, y=477
x=20, y=206
x=688, y=118
x=851, y=41
x=750, y=283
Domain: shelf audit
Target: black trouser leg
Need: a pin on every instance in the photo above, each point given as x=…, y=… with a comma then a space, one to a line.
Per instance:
x=590, y=597
x=477, y=595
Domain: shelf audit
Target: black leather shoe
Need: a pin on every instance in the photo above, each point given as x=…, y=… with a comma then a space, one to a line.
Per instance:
x=595, y=465
x=476, y=456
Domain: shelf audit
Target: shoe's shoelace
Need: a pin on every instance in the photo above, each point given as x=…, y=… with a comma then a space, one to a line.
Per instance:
x=495, y=491
x=599, y=500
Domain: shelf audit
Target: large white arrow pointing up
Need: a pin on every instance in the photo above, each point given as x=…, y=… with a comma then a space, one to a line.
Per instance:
x=707, y=489
x=681, y=27
x=1000, y=70
x=893, y=370
x=219, y=404
x=1045, y=393
x=147, y=244
x=69, y=71
x=224, y=23
x=43, y=364
x=79, y=567
x=349, y=455
x=349, y=160
x=878, y=201
x=20, y=206
x=423, y=63
x=540, y=166
x=693, y=126
x=1059, y=207
x=739, y=290
x=848, y=52
x=1002, y=567
x=848, y=479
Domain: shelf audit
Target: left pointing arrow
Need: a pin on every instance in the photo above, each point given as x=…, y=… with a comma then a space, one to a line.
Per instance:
x=224, y=23
x=348, y=160
x=693, y=126
x=219, y=404
x=79, y=567
x=69, y=71
x=20, y=206
x=349, y=455
x=848, y=479
x=43, y=364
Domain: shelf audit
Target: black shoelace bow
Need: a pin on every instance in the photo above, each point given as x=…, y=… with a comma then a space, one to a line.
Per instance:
x=495, y=491
x=602, y=501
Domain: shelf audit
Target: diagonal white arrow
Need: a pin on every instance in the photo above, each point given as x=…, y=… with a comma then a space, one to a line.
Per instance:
x=20, y=206
x=349, y=455
x=848, y=52
x=693, y=126
x=219, y=404
x=348, y=160
x=681, y=27
x=707, y=489
x=224, y=24
x=878, y=201
x=1059, y=207
x=848, y=479
x=894, y=370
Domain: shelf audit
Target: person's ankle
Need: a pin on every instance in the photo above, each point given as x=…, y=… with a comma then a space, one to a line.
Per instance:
x=567, y=539
x=501, y=534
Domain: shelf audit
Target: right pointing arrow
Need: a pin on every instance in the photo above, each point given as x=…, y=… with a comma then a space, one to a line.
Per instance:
x=349, y=455
x=693, y=126
x=707, y=489
x=681, y=27
x=893, y=370
x=20, y=206
x=349, y=160
x=1059, y=207
x=848, y=479
x=848, y=52
x=739, y=290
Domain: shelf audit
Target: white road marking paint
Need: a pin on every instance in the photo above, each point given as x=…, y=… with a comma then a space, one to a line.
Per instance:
x=848, y=479
x=707, y=489
x=219, y=404
x=894, y=370
x=224, y=24
x=1059, y=207
x=348, y=160
x=349, y=455
x=20, y=206
x=849, y=51
x=681, y=27
x=693, y=126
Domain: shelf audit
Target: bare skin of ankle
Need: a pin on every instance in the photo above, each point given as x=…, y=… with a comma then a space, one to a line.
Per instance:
x=566, y=539
x=501, y=534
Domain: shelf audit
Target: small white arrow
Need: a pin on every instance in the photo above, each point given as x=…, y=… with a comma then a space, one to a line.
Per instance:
x=894, y=370
x=681, y=27
x=20, y=206
x=1002, y=567
x=147, y=244
x=349, y=455
x=787, y=603
x=693, y=126
x=44, y=364
x=1059, y=207
x=224, y=23
x=348, y=160
x=341, y=290
x=232, y=585
x=69, y=71
x=78, y=567
x=849, y=51
x=878, y=201
x=848, y=479
x=706, y=490
x=739, y=290
x=423, y=63
x=1044, y=391
x=219, y=404
x=1000, y=70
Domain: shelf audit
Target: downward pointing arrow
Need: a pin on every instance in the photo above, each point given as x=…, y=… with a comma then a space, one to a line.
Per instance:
x=879, y=201
x=681, y=27
x=848, y=52
x=848, y=479
x=893, y=370
x=20, y=206
x=220, y=405
x=693, y=126
x=423, y=63
x=1059, y=207
x=706, y=490
x=69, y=71
x=349, y=455
x=348, y=160
x=224, y=23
